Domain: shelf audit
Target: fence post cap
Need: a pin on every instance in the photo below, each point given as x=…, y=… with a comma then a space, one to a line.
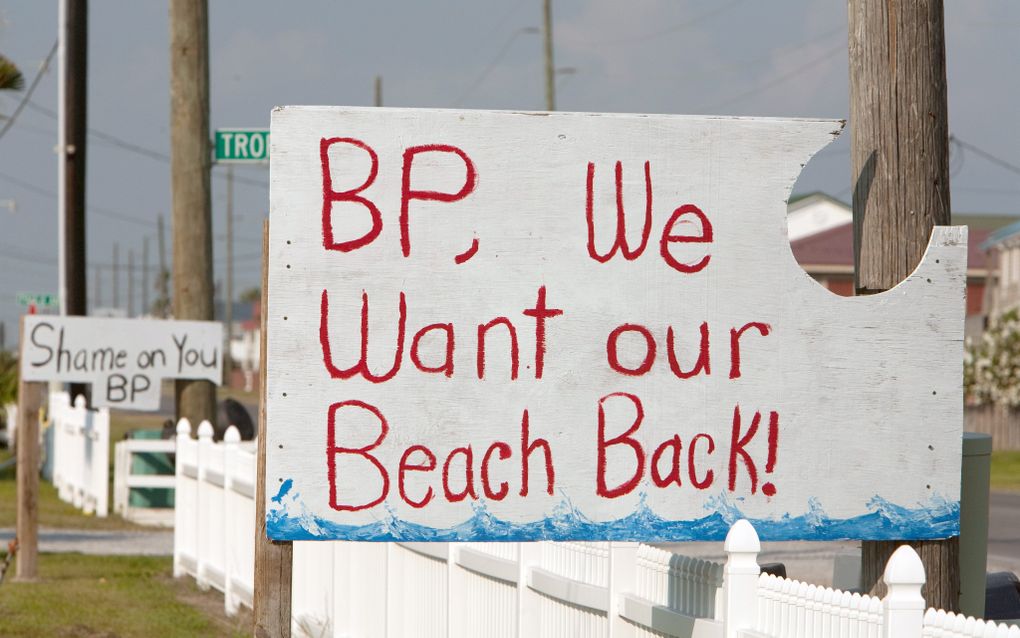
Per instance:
x=904, y=568
x=79, y=401
x=742, y=538
x=232, y=435
x=205, y=430
x=183, y=428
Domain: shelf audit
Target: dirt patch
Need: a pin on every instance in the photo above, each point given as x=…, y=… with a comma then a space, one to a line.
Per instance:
x=84, y=631
x=210, y=603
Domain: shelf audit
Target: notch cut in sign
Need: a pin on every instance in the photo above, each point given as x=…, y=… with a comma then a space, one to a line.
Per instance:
x=125, y=360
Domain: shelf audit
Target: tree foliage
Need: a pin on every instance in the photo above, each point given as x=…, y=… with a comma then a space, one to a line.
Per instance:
x=8, y=378
x=991, y=365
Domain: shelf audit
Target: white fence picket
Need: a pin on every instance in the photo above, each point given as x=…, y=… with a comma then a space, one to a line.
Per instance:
x=81, y=453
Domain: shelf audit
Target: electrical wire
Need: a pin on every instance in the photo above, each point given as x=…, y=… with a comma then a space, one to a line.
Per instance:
x=490, y=67
x=98, y=210
x=150, y=153
x=775, y=81
x=31, y=89
x=986, y=155
x=674, y=28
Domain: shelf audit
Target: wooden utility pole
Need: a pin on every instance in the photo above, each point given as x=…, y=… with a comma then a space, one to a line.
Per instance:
x=190, y=163
x=162, y=282
x=131, y=284
x=273, y=559
x=145, y=276
x=97, y=282
x=30, y=398
x=116, y=276
x=900, y=161
x=550, y=68
x=378, y=91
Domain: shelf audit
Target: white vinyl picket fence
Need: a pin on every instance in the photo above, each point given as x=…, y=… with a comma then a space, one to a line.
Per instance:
x=525, y=590
x=81, y=453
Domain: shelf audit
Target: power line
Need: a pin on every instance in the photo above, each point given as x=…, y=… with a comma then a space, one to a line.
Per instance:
x=674, y=28
x=776, y=81
x=985, y=154
x=98, y=210
x=492, y=64
x=138, y=149
x=31, y=89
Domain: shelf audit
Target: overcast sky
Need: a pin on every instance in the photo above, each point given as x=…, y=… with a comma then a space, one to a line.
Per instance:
x=739, y=57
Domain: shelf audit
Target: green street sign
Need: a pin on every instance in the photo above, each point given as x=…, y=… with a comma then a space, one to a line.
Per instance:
x=242, y=145
x=40, y=300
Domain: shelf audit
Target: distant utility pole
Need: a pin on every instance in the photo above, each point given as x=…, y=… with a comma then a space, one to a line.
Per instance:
x=96, y=283
x=162, y=281
x=228, y=304
x=131, y=284
x=116, y=276
x=378, y=91
x=550, y=68
x=145, y=276
x=900, y=169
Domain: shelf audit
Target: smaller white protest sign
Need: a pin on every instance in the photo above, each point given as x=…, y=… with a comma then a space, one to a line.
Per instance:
x=125, y=360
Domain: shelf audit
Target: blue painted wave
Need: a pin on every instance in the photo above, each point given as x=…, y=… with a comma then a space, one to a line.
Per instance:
x=289, y=519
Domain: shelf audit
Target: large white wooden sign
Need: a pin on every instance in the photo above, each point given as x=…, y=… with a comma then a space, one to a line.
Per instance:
x=512, y=326
x=125, y=360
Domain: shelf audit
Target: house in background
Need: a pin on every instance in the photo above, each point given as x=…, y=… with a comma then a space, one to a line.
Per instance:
x=822, y=240
x=1003, y=258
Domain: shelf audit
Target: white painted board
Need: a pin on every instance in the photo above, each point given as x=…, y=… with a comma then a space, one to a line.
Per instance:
x=842, y=420
x=125, y=360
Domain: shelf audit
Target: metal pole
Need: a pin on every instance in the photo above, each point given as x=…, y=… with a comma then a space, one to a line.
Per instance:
x=75, y=98
x=228, y=305
x=61, y=154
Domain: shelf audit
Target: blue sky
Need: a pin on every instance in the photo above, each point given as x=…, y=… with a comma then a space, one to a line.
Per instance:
x=739, y=57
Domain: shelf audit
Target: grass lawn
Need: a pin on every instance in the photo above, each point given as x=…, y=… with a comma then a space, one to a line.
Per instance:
x=1006, y=470
x=79, y=596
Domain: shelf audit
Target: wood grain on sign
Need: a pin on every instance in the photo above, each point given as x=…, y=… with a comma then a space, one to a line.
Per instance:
x=125, y=360
x=514, y=326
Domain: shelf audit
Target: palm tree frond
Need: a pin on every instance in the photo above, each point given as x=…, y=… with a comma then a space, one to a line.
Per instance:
x=11, y=78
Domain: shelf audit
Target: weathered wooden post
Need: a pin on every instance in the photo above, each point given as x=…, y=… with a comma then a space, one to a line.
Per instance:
x=900, y=169
x=30, y=398
x=273, y=559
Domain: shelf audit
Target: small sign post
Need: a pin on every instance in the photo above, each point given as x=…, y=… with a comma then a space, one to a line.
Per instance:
x=242, y=146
